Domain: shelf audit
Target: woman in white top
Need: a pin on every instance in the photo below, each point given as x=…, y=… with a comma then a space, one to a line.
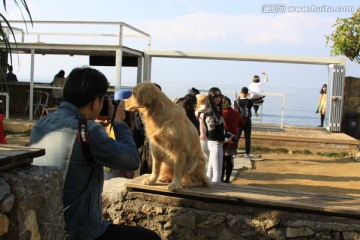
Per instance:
x=256, y=91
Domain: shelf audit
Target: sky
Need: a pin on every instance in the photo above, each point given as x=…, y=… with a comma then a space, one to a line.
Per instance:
x=233, y=26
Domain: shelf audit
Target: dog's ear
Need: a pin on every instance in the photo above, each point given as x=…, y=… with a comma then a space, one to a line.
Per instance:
x=145, y=94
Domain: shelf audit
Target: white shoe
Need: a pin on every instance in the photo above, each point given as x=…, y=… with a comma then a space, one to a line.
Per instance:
x=246, y=155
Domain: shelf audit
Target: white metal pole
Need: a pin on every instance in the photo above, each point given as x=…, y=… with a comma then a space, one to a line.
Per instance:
x=118, y=62
x=139, y=69
x=147, y=68
x=282, y=112
x=31, y=95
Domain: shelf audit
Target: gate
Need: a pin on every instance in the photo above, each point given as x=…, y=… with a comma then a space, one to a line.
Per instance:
x=335, y=91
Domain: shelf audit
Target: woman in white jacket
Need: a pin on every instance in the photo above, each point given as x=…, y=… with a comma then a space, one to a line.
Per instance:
x=256, y=91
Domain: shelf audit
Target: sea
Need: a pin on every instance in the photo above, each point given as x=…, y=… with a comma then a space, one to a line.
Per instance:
x=283, y=105
x=292, y=106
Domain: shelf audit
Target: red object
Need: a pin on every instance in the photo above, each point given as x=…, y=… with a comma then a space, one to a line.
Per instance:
x=233, y=120
x=2, y=132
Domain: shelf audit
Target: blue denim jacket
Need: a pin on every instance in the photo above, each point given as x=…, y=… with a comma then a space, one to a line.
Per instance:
x=83, y=183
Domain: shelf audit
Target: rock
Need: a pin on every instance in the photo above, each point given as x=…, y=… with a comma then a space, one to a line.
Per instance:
x=4, y=188
x=226, y=234
x=113, y=195
x=212, y=221
x=7, y=203
x=31, y=224
x=351, y=236
x=186, y=220
x=4, y=224
x=299, y=232
x=37, y=202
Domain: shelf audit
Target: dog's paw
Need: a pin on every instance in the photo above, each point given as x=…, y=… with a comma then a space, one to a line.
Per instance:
x=173, y=187
x=148, y=181
x=165, y=180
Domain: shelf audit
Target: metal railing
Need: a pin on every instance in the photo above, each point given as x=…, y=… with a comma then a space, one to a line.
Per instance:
x=259, y=119
x=118, y=32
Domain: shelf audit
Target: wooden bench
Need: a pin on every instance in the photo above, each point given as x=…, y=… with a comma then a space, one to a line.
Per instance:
x=334, y=205
x=12, y=156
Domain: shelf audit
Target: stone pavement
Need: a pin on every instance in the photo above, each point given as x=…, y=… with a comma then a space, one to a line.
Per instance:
x=240, y=162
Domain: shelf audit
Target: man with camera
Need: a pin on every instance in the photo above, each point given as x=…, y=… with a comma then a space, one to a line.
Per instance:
x=74, y=142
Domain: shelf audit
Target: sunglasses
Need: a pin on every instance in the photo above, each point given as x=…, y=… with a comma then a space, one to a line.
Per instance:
x=218, y=95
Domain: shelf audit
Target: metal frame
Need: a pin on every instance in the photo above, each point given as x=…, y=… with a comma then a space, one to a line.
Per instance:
x=335, y=125
x=334, y=104
x=145, y=58
x=117, y=50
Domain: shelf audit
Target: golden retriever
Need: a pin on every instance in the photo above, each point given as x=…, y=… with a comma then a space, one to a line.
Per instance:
x=174, y=140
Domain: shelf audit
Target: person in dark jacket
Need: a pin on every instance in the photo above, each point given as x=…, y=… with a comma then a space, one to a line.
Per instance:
x=78, y=145
x=189, y=103
x=243, y=105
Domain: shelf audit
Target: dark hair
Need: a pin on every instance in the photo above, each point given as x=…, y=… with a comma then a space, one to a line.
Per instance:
x=210, y=105
x=84, y=85
x=322, y=91
x=226, y=102
x=244, y=90
x=188, y=103
x=10, y=68
x=194, y=91
x=60, y=74
x=256, y=78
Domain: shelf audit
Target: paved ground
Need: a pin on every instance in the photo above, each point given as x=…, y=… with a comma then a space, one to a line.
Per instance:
x=241, y=163
x=303, y=172
x=17, y=139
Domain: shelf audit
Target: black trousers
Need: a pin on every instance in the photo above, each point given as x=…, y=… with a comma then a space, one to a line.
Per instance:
x=227, y=168
x=322, y=118
x=247, y=132
x=124, y=232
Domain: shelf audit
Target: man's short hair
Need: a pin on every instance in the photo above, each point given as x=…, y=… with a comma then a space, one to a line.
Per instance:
x=244, y=90
x=83, y=85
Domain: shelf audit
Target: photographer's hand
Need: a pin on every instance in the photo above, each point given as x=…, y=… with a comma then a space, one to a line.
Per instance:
x=120, y=112
x=110, y=107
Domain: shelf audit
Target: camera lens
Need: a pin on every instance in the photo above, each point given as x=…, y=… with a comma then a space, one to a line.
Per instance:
x=104, y=111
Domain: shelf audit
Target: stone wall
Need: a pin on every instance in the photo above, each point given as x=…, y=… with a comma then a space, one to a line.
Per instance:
x=351, y=98
x=180, y=218
x=31, y=204
x=351, y=95
x=31, y=208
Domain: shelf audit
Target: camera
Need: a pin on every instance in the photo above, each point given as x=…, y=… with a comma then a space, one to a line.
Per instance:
x=105, y=110
x=233, y=138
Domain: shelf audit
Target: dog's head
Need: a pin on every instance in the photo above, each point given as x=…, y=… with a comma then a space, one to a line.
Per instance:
x=143, y=95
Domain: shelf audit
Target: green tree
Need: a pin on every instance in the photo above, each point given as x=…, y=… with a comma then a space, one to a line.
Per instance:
x=346, y=37
x=4, y=26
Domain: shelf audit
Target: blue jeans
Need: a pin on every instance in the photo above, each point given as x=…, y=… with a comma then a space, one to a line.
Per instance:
x=215, y=163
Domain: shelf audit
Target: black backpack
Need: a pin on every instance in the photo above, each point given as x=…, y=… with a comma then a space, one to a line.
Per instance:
x=243, y=109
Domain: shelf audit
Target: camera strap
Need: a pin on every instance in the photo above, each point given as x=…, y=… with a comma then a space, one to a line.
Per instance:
x=113, y=115
x=84, y=141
